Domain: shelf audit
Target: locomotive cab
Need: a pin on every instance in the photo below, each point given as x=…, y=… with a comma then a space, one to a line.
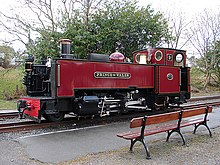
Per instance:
x=172, y=76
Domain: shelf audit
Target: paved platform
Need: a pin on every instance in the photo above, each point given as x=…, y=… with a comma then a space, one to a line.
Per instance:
x=68, y=145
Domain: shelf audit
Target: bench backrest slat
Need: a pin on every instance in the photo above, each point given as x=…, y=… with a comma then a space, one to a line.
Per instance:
x=194, y=112
x=160, y=118
x=155, y=119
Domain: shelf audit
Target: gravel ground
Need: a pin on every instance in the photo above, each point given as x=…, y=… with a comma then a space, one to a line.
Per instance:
x=200, y=150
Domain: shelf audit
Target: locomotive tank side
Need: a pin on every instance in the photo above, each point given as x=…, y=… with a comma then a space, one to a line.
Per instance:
x=87, y=76
x=101, y=81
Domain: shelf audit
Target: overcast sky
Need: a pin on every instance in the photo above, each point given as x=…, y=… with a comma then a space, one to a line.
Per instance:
x=188, y=7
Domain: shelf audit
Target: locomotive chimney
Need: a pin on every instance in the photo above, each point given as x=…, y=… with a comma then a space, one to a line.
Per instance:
x=65, y=45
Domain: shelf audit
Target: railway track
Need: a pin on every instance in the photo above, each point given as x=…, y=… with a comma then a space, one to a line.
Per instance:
x=31, y=125
x=204, y=98
x=216, y=103
x=9, y=115
x=28, y=125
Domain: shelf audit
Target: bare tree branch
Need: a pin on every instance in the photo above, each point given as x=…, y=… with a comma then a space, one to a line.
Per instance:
x=205, y=31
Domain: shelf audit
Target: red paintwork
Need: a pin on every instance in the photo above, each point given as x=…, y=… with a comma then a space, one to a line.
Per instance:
x=144, y=52
x=34, y=104
x=169, y=62
x=153, y=59
x=157, y=80
x=168, y=86
x=150, y=53
x=80, y=75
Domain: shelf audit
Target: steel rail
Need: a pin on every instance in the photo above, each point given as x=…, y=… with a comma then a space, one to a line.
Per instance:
x=9, y=115
x=216, y=103
x=26, y=126
x=202, y=98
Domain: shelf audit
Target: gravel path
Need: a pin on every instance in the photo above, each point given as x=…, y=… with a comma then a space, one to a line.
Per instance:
x=11, y=153
x=200, y=150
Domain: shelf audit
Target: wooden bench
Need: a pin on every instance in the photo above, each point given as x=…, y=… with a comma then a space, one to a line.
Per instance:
x=167, y=122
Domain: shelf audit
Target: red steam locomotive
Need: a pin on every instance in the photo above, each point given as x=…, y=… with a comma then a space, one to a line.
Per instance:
x=103, y=84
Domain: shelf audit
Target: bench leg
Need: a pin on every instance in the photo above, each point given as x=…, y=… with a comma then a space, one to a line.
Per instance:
x=132, y=144
x=145, y=146
x=146, y=149
x=178, y=131
x=196, y=126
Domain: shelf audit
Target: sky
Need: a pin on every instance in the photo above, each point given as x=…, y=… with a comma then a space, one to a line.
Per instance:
x=188, y=7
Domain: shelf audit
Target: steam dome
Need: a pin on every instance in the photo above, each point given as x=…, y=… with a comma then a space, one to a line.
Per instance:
x=117, y=57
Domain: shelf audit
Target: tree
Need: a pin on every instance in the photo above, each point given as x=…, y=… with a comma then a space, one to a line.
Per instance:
x=116, y=25
x=204, y=35
x=46, y=45
x=7, y=53
x=88, y=7
x=93, y=26
x=41, y=32
x=178, y=29
x=126, y=27
x=25, y=29
x=215, y=51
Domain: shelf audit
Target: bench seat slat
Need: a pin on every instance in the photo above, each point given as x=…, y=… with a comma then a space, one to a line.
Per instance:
x=128, y=133
x=148, y=131
x=192, y=122
x=134, y=132
x=159, y=129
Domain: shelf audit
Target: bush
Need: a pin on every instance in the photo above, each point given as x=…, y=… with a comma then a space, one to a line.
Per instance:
x=11, y=83
x=197, y=78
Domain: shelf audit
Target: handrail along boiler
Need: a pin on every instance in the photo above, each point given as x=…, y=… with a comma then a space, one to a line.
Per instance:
x=103, y=84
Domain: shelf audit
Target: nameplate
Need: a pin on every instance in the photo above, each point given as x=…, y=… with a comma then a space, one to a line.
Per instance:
x=119, y=75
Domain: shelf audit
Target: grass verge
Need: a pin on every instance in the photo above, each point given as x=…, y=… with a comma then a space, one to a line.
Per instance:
x=11, y=104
